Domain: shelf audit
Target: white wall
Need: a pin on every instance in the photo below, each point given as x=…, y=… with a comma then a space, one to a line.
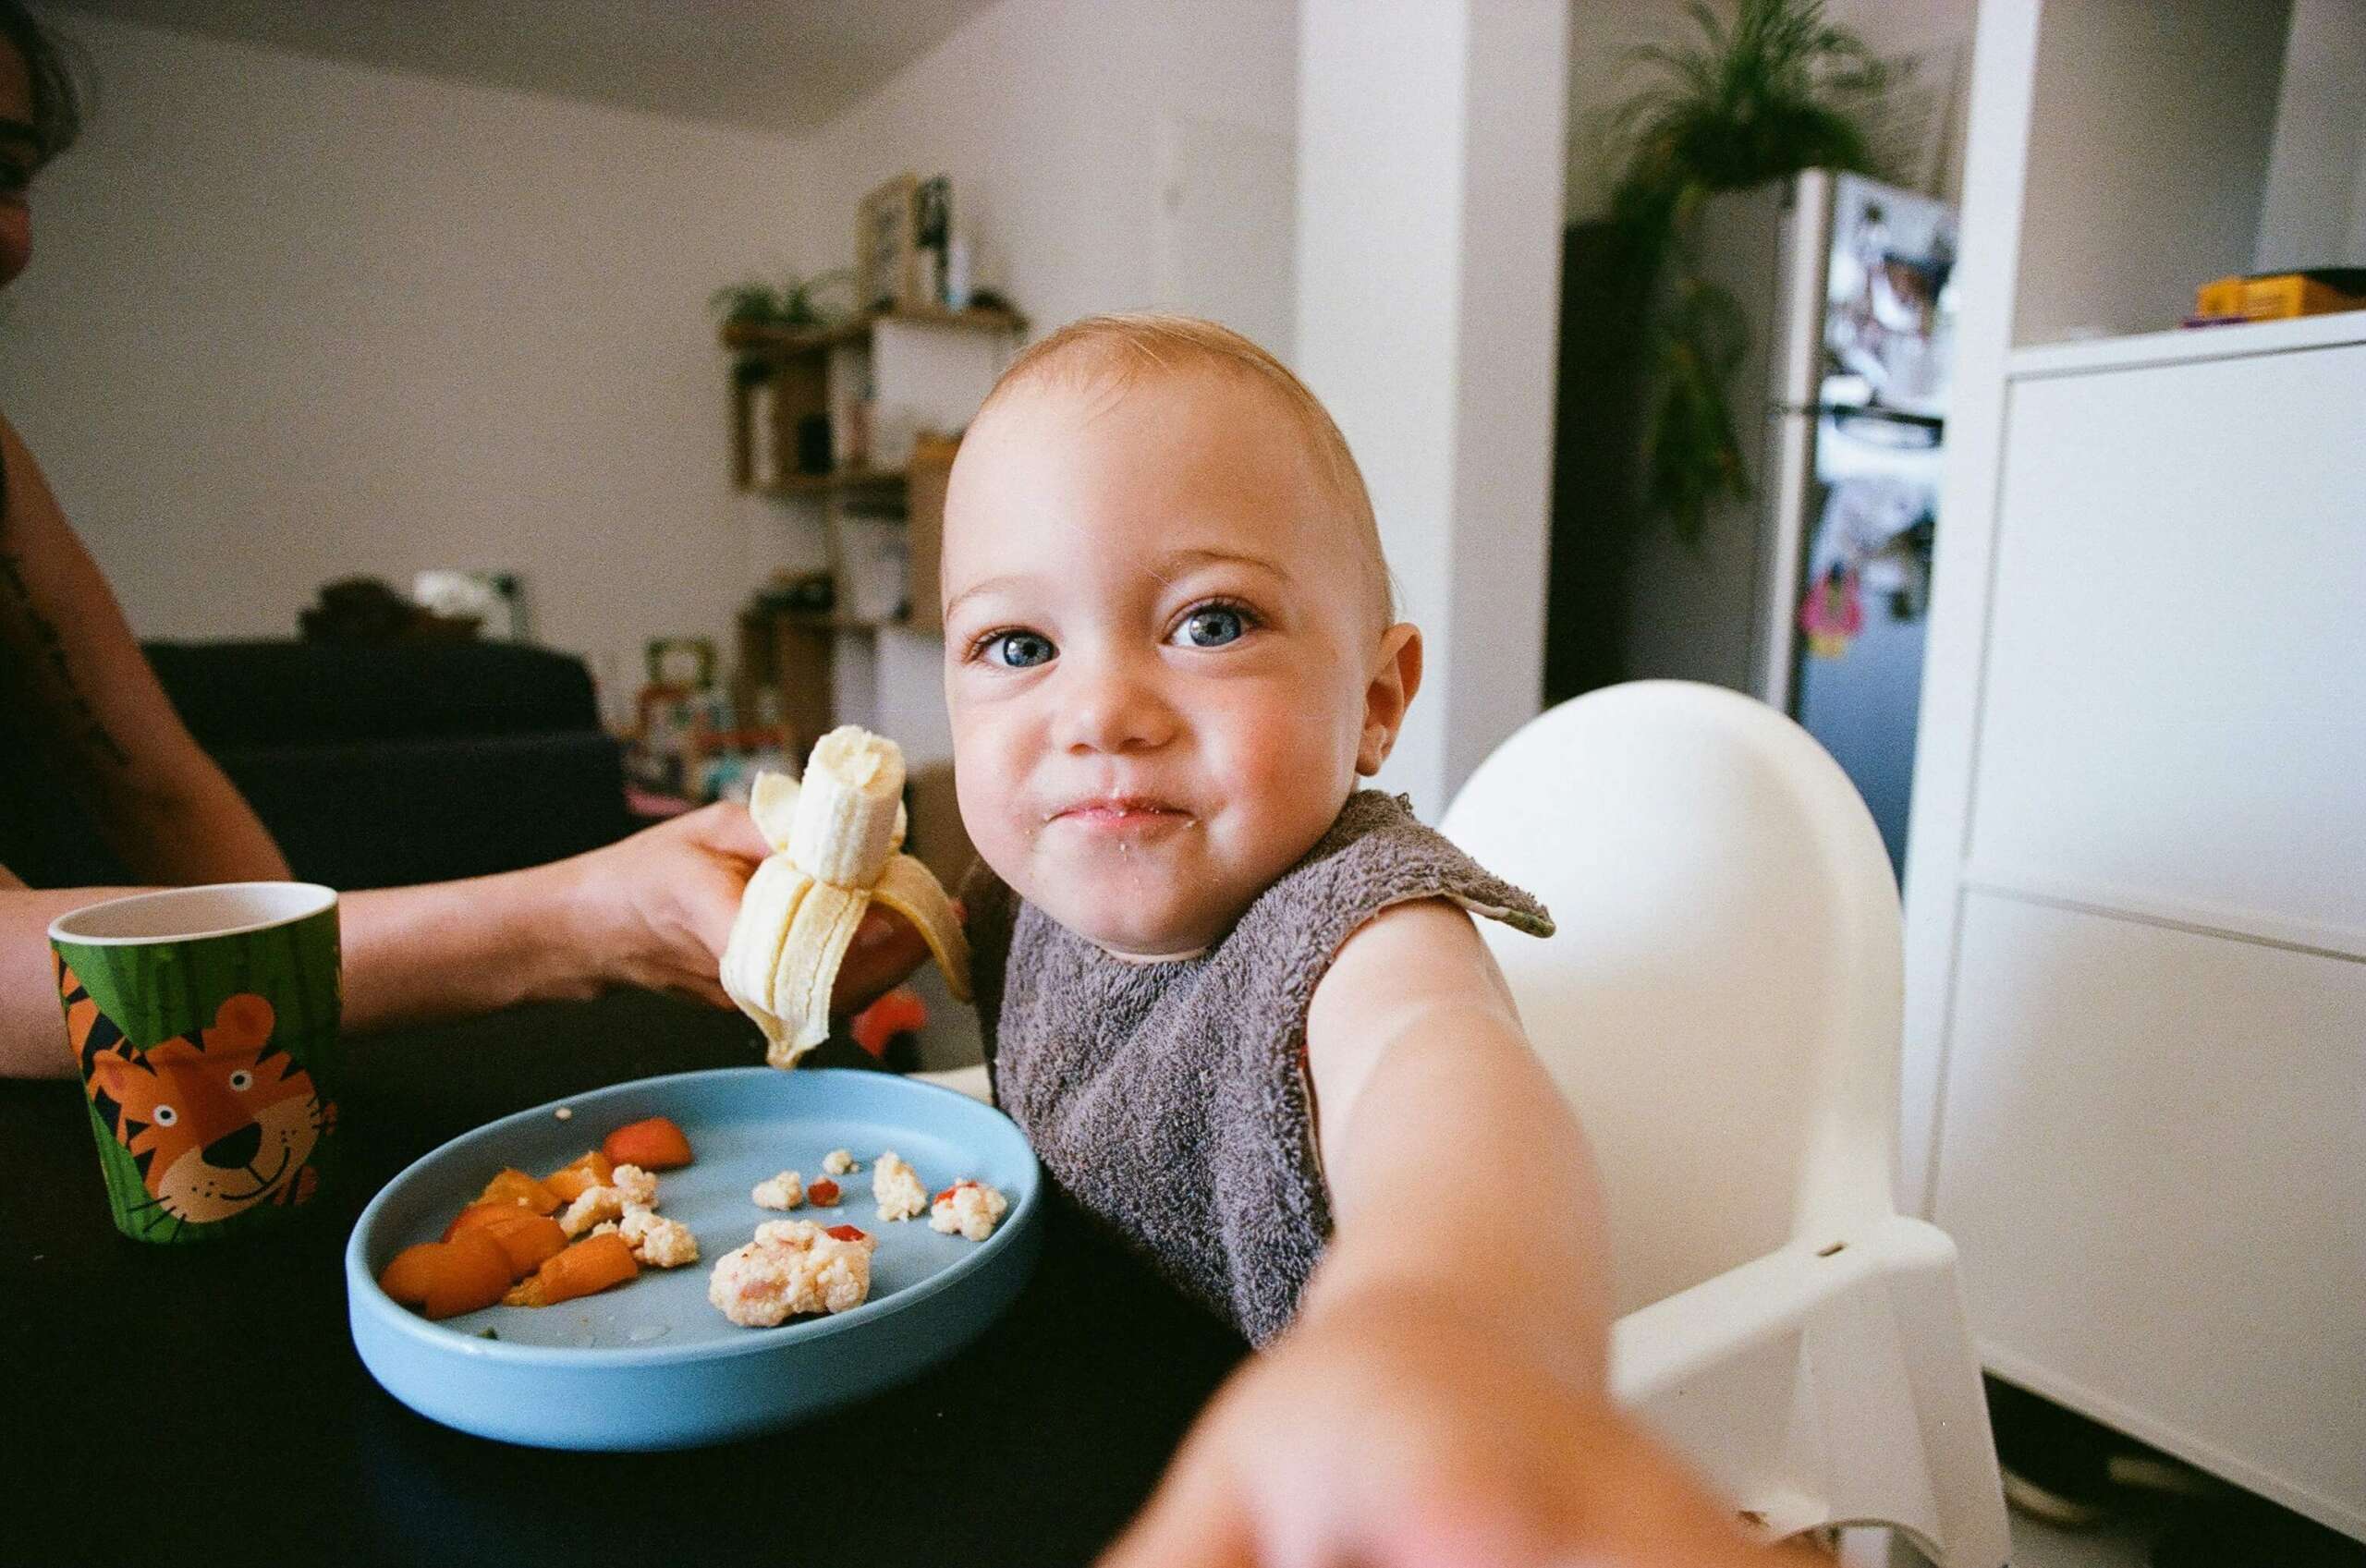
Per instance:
x=291, y=320
x=1051, y=117
x=1430, y=161
x=2149, y=146
x=2314, y=212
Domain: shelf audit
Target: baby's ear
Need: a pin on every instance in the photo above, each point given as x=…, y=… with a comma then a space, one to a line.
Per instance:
x=1390, y=692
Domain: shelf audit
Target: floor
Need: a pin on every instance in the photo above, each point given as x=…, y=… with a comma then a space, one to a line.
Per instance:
x=2120, y=1544
x=2035, y=1545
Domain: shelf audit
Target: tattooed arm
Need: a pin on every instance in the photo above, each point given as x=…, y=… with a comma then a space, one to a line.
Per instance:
x=69, y=655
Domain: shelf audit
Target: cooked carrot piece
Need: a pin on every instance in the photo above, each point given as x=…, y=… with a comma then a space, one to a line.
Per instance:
x=571, y=1180
x=591, y=1265
x=479, y=1213
x=470, y=1271
x=653, y=1144
x=517, y=1187
x=406, y=1277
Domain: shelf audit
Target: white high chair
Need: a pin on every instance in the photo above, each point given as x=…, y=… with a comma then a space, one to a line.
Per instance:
x=1720, y=1003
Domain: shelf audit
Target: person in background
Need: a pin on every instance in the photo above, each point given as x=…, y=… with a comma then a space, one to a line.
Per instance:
x=77, y=696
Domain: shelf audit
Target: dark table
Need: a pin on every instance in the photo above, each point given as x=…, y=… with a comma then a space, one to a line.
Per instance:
x=204, y=1404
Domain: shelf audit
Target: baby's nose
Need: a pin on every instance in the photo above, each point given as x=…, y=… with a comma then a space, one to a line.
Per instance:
x=1116, y=710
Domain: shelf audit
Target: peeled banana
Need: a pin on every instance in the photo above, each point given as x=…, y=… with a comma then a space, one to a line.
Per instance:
x=837, y=838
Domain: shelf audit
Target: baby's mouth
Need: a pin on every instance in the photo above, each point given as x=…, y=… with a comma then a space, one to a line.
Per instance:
x=1121, y=813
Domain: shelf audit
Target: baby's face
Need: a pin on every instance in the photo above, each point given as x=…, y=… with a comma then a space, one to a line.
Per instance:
x=1158, y=650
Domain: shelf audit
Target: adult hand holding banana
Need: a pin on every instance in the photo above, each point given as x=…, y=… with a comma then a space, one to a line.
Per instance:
x=837, y=838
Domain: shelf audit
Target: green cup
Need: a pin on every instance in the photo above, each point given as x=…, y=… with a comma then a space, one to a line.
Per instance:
x=205, y=1020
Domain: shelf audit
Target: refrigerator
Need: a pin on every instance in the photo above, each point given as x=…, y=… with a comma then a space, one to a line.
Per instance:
x=1813, y=594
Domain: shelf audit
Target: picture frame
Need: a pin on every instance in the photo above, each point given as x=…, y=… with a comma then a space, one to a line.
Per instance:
x=887, y=250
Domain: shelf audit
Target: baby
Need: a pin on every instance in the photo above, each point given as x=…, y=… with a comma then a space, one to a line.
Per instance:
x=1238, y=1005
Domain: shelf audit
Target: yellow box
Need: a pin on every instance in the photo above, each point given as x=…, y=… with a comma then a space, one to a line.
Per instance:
x=2272, y=299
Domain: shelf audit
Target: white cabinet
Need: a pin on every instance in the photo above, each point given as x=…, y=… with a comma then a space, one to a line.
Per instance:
x=2175, y=715
x=2135, y=1058
x=2137, y=931
x=2150, y=1163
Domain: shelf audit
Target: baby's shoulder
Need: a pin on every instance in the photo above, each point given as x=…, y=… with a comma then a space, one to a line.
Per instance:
x=1376, y=856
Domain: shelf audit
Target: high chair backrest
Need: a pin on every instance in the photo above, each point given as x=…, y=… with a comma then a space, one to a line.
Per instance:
x=1721, y=1001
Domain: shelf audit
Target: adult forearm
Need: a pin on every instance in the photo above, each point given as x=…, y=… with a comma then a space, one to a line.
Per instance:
x=32, y=1024
x=413, y=954
x=1521, y=1251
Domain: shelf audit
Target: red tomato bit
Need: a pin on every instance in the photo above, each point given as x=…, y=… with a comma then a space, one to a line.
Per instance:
x=844, y=1233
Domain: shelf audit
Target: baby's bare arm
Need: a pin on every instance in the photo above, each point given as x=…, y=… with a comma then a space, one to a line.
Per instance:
x=1425, y=1087
x=1421, y=1412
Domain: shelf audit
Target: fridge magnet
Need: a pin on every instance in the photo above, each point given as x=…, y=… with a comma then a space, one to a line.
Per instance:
x=1833, y=615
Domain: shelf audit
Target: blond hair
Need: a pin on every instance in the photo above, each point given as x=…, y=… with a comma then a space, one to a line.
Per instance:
x=1120, y=347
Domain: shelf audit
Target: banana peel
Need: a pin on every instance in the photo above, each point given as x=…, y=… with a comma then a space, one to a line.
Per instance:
x=837, y=838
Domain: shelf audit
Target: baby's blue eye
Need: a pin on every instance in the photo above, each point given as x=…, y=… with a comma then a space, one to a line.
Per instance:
x=1214, y=626
x=1020, y=650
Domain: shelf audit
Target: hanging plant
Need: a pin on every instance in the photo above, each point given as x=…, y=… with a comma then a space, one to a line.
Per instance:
x=1761, y=90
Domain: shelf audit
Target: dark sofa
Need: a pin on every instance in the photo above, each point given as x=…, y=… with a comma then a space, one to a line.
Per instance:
x=376, y=765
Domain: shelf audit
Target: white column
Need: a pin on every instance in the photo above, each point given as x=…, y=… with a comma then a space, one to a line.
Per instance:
x=1430, y=180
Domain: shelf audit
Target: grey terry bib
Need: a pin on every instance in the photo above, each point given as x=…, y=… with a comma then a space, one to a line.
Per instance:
x=1171, y=1100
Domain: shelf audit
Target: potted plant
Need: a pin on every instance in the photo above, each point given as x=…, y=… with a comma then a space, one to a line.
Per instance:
x=756, y=305
x=1756, y=92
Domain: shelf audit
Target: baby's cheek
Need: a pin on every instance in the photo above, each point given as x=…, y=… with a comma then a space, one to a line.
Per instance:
x=1292, y=785
x=986, y=780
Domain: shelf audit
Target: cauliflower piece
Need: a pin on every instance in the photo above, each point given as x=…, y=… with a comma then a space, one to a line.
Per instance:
x=897, y=1187
x=792, y=1267
x=840, y=1163
x=597, y=1203
x=970, y=1209
x=637, y=1187
x=656, y=1241
x=784, y=1191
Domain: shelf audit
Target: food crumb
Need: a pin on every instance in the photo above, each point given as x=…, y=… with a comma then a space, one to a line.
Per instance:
x=840, y=1163
x=657, y=1242
x=970, y=1209
x=597, y=1203
x=792, y=1268
x=897, y=1187
x=565, y=1113
x=784, y=1191
x=636, y=1186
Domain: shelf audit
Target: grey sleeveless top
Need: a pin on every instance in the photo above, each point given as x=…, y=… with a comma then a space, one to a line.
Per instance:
x=1172, y=1100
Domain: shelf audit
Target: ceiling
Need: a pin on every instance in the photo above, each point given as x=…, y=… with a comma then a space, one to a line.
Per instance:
x=778, y=65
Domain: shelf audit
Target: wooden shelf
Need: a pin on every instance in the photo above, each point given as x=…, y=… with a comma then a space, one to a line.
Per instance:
x=752, y=338
x=839, y=480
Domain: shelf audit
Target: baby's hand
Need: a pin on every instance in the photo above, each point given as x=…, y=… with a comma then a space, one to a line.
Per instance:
x=1386, y=1432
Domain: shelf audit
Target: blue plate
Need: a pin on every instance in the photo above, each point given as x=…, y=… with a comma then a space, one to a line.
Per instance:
x=651, y=1364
